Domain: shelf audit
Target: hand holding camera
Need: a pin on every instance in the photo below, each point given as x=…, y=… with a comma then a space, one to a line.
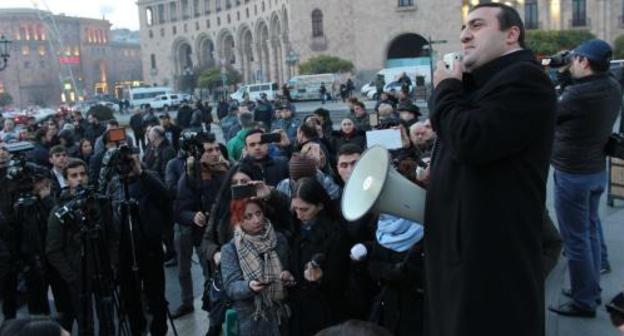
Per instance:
x=200, y=219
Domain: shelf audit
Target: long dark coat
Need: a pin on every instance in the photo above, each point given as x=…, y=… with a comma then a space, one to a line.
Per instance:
x=485, y=203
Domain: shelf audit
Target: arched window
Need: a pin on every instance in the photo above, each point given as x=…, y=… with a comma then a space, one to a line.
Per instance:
x=317, y=23
x=149, y=16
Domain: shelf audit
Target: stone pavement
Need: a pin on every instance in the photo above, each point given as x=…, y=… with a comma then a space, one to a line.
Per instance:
x=612, y=283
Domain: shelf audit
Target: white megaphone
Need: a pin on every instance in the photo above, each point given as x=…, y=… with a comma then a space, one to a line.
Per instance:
x=376, y=186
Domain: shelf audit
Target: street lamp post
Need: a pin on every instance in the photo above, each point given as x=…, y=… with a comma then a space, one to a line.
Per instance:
x=292, y=59
x=4, y=52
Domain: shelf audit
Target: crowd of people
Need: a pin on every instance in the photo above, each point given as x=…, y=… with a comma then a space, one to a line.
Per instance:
x=95, y=214
x=280, y=251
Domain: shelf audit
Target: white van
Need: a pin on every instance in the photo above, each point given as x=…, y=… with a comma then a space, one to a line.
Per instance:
x=391, y=77
x=253, y=91
x=306, y=87
x=145, y=95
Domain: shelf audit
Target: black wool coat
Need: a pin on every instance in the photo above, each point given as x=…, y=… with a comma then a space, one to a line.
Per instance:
x=485, y=203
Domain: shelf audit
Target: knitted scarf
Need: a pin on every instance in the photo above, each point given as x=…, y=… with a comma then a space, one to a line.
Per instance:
x=259, y=261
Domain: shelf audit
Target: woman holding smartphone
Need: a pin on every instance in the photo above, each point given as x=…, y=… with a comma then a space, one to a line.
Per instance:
x=254, y=270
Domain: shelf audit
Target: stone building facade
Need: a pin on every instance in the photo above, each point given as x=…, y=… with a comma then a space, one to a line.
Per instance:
x=257, y=36
x=57, y=58
x=604, y=18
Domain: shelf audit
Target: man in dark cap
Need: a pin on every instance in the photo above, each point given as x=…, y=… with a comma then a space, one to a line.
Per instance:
x=588, y=108
x=409, y=113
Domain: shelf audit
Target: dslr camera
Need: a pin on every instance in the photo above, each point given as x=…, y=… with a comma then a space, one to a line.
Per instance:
x=74, y=208
x=558, y=60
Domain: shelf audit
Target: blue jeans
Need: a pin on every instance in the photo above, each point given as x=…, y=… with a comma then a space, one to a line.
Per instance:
x=576, y=203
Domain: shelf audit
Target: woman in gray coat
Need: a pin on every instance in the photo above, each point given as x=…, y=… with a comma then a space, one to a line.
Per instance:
x=253, y=270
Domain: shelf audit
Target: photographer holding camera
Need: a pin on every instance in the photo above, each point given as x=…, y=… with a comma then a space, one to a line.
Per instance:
x=588, y=108
x=196, y=194
x=71, y=250
x=142, y=206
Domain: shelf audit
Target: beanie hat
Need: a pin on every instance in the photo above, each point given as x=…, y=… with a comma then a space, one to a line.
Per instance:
x=301, y=166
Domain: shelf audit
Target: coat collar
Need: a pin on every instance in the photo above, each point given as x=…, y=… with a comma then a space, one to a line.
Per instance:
x=482, y=75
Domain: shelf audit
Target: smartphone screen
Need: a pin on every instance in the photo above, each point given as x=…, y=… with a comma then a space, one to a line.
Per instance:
x=243, y=191
x=270, y=138
x=116, y=135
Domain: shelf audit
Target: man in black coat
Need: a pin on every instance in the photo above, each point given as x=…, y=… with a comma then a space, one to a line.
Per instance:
x=494, y=116
x=136, y=123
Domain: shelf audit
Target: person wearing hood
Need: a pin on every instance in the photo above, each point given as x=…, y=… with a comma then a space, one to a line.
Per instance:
x=348, y=134
x=236, y=144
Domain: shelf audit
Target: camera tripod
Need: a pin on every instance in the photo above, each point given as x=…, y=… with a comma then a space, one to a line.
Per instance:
x=97, y=281
x=129, y=211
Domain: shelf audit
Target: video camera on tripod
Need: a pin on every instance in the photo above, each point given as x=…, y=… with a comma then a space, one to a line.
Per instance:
x=76, y=205
x=22, y=174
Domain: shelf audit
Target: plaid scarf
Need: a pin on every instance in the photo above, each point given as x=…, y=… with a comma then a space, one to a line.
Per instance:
x=259, y=261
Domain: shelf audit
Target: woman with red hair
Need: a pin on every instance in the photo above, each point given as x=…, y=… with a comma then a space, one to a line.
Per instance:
x=253, y=267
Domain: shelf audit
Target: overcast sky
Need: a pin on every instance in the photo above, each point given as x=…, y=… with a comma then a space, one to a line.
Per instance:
x=121, y=13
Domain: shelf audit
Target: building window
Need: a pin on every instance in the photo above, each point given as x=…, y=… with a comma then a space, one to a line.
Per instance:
x=185, y=9
x=247, y=12
x=578, y=13
x=153, y=61
x=218, y=21
x=196, y=8
x=196, y=25
x=174, y=29
x=161, y=14
x=263, y=7
x=173, y=12
x=406, y=3
x=26, y=64
x=25, y=50
x=41, y=50
x=255, y=9
x=228, y=4
x=238, y=16
x=151, y=34
x=530, y=14
x=229, y=19
x=317, y=23
x=185, y=27
x=149, y=16
x=208, y=23
x=76, y=51
x=218, y=5
x=207, y=6
x=162, y=32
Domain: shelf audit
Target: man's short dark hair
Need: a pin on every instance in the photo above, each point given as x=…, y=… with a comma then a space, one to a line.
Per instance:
x=349, y=149
x=113, y=123
x=74, y=163
x=360, y=104
x=58, y=149
x=507, y=18
x=598, y=67
x=252, y=132
x=308, y=130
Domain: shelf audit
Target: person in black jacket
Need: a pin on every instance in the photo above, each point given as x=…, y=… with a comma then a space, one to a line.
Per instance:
x=588, y=108
x=319, y=261
x=272, y=170
x=172, y=131
x=65, y=243
x=138, y=128
x=196, y=193
x=94, y=128
x=494, y=115
x=348, y=134
x=151, y=215
x=158, y=152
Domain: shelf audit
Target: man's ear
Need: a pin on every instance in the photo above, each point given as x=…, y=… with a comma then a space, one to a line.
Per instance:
x=513, y=35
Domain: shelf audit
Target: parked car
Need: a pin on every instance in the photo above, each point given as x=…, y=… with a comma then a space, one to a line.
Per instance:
x=253, y=91
x=390, y=87
x=165, y=101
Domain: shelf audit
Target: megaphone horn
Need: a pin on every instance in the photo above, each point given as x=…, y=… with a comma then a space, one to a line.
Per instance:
x=376, y=186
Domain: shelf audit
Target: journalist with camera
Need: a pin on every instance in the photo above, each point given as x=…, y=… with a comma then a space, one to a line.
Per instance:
x=81, y=245
x=142, y=209
x=588, y=107
x=196, y=194
x=25, y=206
